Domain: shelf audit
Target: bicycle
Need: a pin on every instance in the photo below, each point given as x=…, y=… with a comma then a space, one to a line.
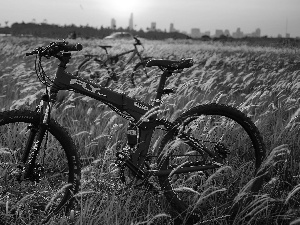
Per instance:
x=41, y=155
x=97, y=66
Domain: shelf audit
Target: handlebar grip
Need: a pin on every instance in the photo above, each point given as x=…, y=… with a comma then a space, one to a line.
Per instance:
x=54, y=48
x=32, y=52
x=76, y=47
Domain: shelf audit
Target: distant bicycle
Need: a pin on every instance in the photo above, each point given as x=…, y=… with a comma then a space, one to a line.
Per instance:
x=40, y=167
x=109, y=66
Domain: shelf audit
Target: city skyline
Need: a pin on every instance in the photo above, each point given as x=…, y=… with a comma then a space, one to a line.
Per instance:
x=273, y=17
x=196, y=32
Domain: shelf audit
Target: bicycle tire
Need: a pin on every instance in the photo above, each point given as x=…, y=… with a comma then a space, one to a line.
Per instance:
x=57, y=164
x=202, y=118
x=82, y=65
x=96, y=70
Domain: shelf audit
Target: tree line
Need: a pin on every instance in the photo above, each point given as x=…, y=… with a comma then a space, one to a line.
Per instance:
x=56, y=31
x=73, y=31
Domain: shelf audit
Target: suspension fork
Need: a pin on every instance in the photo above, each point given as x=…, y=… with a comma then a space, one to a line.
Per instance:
x=36, y=130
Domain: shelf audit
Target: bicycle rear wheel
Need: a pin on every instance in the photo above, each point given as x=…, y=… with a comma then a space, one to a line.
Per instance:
x=97, y=70
x=223, y=130
x=141, y=73
x=56, y=175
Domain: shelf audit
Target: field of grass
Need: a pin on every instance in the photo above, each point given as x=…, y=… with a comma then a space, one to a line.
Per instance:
x=262, y=82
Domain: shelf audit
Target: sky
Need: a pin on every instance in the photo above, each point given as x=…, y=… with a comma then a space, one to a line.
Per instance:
x=273, y=17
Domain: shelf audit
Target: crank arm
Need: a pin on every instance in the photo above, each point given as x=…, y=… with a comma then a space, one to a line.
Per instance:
x=137, y=171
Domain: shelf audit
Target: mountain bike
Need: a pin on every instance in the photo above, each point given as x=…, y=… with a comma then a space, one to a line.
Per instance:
x=109, y=66
x=40, y=166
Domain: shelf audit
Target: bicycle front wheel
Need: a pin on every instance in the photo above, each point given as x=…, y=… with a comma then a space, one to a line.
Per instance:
x=222, y=130
x=56, y=173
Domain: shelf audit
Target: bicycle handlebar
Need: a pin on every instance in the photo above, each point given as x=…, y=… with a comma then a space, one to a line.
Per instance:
x=137, y=41
x=54, y=48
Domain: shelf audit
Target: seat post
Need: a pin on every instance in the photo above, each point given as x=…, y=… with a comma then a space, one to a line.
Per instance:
x=161, y=85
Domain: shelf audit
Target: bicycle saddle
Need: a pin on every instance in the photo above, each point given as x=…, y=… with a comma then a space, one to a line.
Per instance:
x=171, y=64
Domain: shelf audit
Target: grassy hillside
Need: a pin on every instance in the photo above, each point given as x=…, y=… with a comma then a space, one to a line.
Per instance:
x=262, y=82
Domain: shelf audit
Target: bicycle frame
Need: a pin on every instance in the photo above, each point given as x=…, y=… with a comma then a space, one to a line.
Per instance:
x=121, y=103
x=135, y=108
x=109, y=62
x=127, y=52
x=134, y=53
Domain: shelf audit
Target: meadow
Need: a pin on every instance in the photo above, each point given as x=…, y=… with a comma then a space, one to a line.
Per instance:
x=263, y=82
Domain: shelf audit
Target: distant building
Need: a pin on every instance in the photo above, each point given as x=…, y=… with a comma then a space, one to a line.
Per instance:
x=257, y=32
x=218, y=33
x=207, y=33
x=113, y=24
x=287, y=35
x=195, y=33
x=238, y=33
x=131, y=22
x=153, y=26
x=172, y=29
x=227, y=33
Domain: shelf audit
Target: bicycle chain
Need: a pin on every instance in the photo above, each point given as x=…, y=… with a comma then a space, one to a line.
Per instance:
x=122, y=156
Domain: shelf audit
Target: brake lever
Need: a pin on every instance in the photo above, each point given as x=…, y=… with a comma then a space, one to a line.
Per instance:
x=137, y=41
x=51, y=50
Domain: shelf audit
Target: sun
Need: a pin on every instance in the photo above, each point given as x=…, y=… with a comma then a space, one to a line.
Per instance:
x=125, y=7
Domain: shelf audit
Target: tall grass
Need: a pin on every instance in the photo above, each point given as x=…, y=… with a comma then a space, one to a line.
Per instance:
x=263, y=82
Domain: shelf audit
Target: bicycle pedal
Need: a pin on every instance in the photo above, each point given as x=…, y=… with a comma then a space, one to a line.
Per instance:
x=114, y=77
x=168, y=91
